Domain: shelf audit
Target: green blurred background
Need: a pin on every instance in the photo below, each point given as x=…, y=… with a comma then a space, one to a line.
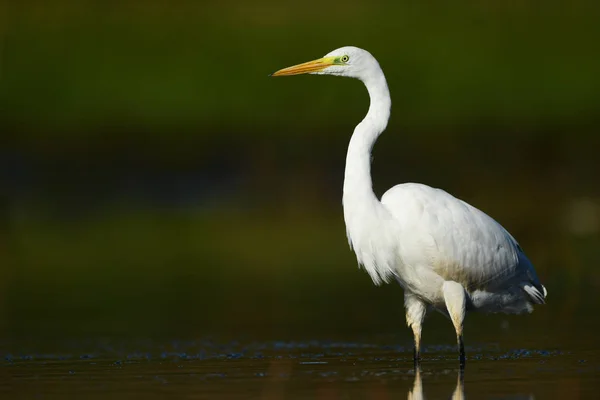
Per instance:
x=156, y=182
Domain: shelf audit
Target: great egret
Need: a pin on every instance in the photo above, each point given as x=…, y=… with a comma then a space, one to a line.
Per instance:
x=446, y=254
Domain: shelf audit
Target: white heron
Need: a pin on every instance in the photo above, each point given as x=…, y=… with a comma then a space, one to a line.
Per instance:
x=446, y=254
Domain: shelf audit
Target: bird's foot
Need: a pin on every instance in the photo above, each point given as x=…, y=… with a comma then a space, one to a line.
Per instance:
x=417, y=360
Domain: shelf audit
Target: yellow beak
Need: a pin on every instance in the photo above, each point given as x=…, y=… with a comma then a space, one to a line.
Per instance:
x=307, y=67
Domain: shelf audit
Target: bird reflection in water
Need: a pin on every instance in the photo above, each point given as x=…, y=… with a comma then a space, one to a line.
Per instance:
x=417, y=390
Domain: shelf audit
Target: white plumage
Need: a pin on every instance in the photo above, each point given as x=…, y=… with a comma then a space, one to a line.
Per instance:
x=445, y=253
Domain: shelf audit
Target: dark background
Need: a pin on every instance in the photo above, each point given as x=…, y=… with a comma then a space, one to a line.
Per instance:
x=156, y=182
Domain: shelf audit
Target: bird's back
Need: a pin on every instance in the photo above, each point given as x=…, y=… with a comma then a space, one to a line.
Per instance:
x=454, y=239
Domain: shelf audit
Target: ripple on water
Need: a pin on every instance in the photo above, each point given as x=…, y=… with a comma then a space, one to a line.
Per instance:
x=311, y=350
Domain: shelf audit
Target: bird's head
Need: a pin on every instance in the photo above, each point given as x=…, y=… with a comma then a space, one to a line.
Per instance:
x=346, y=61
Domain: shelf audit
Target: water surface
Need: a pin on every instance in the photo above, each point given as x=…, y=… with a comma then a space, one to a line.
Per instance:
x=307, y=369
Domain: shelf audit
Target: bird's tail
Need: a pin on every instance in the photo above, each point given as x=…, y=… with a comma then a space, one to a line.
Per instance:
x=533, y=287
x=537, y=292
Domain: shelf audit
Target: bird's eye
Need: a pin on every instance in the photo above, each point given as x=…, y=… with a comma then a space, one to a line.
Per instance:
x=345, y=58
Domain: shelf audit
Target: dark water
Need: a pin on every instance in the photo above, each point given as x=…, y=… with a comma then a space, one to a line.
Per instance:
x=309, y=369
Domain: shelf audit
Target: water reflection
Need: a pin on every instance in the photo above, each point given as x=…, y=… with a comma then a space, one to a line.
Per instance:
x=417, y=390
x=416, y=393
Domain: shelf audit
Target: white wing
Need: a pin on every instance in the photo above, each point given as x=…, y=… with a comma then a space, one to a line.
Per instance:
x=454, y=239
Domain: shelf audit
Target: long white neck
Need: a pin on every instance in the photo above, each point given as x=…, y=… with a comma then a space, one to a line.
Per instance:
x=358, y=188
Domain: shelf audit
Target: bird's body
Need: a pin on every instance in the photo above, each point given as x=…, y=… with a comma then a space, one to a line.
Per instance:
x=445, y=253
x=439, y=238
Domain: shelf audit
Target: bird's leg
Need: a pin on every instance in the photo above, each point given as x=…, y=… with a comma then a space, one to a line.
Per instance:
x=415, y=314
x=461, y=351
x=417, y=347
x=456, y=300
